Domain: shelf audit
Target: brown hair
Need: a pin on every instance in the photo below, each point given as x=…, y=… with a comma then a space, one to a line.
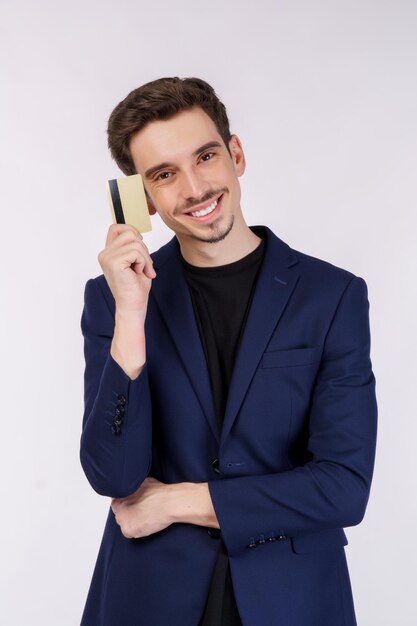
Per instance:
x=159, y=100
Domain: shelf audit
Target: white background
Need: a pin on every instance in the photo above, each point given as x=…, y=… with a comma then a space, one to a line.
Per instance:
x=323, y=96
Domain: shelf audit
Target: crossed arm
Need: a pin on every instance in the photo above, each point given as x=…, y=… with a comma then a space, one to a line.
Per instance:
x=330, y=491
x=156, y=505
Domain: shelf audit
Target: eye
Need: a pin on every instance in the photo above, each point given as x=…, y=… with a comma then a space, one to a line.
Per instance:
x=163, y=175
x=207, y=156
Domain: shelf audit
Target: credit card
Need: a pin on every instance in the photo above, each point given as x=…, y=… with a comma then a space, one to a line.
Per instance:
x=128, y=202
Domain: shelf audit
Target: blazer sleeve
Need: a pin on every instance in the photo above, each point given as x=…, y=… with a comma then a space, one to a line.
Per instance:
x=332, y=489
x=116, y=439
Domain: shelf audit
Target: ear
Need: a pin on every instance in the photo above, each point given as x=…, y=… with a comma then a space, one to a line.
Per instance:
x=151, y=207
x=238, y=156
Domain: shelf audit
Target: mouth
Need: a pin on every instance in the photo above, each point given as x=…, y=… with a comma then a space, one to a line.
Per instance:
x=208, y=212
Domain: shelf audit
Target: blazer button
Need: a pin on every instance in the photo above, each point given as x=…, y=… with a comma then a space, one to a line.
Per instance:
x=122, y=399
x=215, y=466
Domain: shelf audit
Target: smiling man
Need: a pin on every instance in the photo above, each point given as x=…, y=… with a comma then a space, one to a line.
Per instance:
x=196, y=190
x=230, y=408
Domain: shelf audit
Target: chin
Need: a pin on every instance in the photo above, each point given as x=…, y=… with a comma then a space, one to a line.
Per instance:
x=217, y=234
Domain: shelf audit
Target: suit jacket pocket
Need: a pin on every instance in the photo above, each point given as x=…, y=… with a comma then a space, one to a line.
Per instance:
x=291, y=358
x=321, y=540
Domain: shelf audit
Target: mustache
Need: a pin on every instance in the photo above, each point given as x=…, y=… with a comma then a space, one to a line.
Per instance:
x=190, y=204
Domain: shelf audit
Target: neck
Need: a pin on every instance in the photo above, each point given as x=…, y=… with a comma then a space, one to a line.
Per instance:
x=239, y=242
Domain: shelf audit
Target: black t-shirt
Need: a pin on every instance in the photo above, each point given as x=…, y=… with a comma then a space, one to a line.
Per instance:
x=221, y=298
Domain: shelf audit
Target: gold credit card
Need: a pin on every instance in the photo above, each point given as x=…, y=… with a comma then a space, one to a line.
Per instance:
x=128, y=202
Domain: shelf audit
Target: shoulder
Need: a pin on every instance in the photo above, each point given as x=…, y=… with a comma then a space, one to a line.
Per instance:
x=318, y=276
x=311, y=265
x=320, y=268
x=330, y=280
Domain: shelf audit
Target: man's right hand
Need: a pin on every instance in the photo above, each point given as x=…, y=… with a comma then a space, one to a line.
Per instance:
x=128, y=268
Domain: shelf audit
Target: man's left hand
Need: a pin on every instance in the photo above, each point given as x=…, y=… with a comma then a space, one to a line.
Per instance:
x=155, y=506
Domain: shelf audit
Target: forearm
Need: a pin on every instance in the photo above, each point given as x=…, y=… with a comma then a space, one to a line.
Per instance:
x=191, y=504
x=155, y=506
x=304, y=500
x=128, y=347
x=116, y=441
x=116, y=449
x=330, y=491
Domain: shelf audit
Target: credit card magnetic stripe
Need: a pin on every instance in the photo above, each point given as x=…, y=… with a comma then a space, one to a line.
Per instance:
x=117, y=203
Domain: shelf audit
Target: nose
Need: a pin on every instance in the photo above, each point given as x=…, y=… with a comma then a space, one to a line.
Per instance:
x=193, y=187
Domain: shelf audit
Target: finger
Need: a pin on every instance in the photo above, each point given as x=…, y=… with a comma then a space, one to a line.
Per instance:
x=132, y=253
x=129, y=242
x=136, y=260
x=148, y=270
x=117, y=229
x=124, y=242
x=144, y=264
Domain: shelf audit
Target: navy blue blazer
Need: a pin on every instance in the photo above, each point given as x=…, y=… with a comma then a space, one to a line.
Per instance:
x=292, y=467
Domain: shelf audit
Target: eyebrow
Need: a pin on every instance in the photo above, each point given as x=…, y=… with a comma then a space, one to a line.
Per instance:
x=152, y=170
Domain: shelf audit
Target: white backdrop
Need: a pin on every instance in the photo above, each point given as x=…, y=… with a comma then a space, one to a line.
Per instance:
x=323, y=96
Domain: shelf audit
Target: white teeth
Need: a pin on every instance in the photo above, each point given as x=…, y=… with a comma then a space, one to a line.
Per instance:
x=205, y=211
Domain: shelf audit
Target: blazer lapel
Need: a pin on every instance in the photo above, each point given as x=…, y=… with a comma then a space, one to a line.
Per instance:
x=173, y=298
x=275, y=284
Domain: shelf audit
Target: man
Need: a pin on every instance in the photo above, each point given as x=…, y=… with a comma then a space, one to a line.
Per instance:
x=230, y=406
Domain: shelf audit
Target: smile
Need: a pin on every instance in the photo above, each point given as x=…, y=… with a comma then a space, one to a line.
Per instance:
x=206, y=211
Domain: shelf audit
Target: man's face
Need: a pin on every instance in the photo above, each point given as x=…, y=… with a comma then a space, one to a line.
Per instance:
x=186, y=168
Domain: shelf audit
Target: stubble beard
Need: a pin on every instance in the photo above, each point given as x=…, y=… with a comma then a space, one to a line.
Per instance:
x=217, y=233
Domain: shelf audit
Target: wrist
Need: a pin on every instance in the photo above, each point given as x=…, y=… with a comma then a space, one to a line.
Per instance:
x=128, y=346
x=130, y=318
x=191, y=504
